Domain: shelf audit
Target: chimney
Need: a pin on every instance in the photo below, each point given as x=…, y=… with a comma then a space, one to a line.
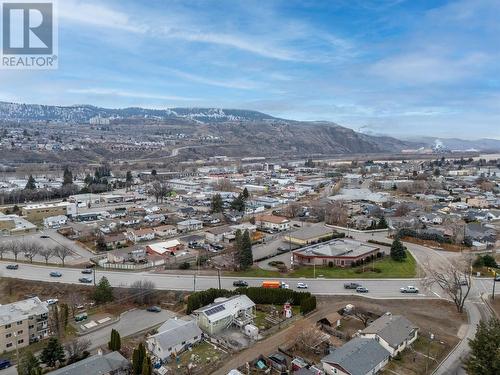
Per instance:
x=99, y=351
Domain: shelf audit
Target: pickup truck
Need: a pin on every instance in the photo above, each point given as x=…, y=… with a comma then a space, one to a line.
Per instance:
x=351, y=285
x=409, y=289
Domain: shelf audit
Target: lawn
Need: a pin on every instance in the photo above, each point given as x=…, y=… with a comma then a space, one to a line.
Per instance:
x=387, y=267
x=200, y=355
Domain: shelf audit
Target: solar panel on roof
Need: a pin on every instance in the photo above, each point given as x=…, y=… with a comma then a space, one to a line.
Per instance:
x=215, y=310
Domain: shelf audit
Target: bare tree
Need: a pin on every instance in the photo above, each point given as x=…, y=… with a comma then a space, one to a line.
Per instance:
x=46, y=253
x=62, y=253
x=143, y=292
x=4, y=248
x=224, y=184
x=454, y=279
x=362, y=314
x=402, y=209
x=75, y=299
x=31, y=250
x=336, y=214
x=15, y=248
x=292, y=209
x=159, y=190
x=75, y=348
x=305, y=336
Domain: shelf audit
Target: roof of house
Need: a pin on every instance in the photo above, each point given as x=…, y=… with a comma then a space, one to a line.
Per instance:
x=95, y=365
x=162, y=228
x=358, y=356
x=190, y=222
x=273, y=219
x=219, y=230
x=393, y=329
x=312, y=232
x=142, y=231
x=116, y=237
x=163, y=247
x=20, y=310
x=175, y=331
x=226, y=306
x=337, y=248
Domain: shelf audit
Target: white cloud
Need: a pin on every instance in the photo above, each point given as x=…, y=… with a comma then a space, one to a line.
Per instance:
x=128, y=94
x=233, y=84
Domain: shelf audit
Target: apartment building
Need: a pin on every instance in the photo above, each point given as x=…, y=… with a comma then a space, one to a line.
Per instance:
x=22, y=323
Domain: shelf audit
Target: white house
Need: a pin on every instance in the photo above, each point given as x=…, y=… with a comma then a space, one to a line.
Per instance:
x=273, y=222
x=393, y=332
x=225, y=312
x=165, y=230
x=55, y=221
x=138, y=235
x=162, y=248
x=189, y=225
x=173, y=337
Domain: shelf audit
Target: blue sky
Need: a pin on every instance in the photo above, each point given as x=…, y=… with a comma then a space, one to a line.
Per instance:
x=391, y=67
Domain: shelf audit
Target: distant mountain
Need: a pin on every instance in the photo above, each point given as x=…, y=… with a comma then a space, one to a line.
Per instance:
x=456, y=144
x=83, y=113
x=256, y=133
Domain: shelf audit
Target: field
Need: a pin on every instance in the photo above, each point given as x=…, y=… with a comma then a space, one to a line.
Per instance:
x=385, y=268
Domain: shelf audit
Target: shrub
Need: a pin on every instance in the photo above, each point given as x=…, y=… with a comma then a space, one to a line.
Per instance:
x=184, y=266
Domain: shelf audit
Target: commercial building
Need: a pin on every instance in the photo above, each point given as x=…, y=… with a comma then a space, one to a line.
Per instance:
x=341, y=252
x=310, y=234
x=164, y=248
x=22, y=323
x=38, y=212
x=14, y=225
x=272, y=222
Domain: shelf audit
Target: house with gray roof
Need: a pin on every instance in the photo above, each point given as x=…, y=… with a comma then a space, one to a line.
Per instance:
x=174, y=336
x=360, y=356
x=394, y=332
x=100, y=364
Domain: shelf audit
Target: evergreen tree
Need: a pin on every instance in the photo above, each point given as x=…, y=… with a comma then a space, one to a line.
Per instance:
x=128, y=180
x=154, y=172
x=67, y=176
x=147, y=367
x=88, y=180
x=216, y=205
x=238, y=237
x=52, y=353
x=138, y=359
x=115, y=341
x=28, y=364
x=238, y=203
x=31, y=184
x=245, y=194
x=246, y=256
x=398, y=252
x=382, y=224
x=100, y=244
x=484, y=358
x=103, y=292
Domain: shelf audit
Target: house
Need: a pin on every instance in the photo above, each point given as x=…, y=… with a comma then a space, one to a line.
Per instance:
x=23, y=321
x=310, y=234
x=165, y=230
x=224, y=312
x=272, y=222
x=218, y=234
x=359, y=356
x=164, y=248
x=113, y=241
x=138, y=235
x=103, y=364
x=341, y=252
x=173, y=337
x=431, y=219
x=394, y=332
x=189, y=225
x=55, y=221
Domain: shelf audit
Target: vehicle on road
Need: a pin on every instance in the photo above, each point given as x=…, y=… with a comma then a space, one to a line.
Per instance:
x=409, y=289
x=87, y=271
x=44, y=236
x=361, y=289
x=55, y=274
x=497, y=277
x=296, y=225
x=351, y=285
x=52, y=301
x=302, y=285
x=12, y=266
x=85, y=280
x=272, y=284
x=240, y=283
x=155, y=309
x=4, y=363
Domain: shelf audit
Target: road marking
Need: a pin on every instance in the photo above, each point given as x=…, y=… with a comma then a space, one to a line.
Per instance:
x=438, y=296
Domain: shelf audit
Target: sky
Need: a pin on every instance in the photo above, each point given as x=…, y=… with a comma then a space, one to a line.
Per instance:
x=393, y=67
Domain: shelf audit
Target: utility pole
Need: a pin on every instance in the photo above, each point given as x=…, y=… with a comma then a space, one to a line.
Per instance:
x=218, y=276
x=194, y=283
x=494, y=282
x=94, y=275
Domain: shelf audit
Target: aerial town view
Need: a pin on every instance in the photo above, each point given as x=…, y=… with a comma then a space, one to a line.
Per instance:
x=249, y=187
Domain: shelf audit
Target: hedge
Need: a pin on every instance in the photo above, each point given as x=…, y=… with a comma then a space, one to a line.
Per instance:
x=262, y=296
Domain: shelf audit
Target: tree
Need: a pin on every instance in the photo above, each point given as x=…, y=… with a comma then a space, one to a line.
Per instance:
x=238, y=203
x=67, y=177
x=100, y=244
x=46, y=254
x=398, y=251
x=103, y=292
x=15, y=248
x=147, y=366
x=31, y=250
x=245, y=194
x=484, y=358
x=159, y=190
x=76, y=349
x=154, y=173
x=114, y=343
x=4, y=248
x=143, y=292
x=52, y=353
x=128, y=180
x=245, y=250
x=336, y=214
x=454, y=277
x=31, y=184
x=62, y=253
x=217, y=205
x=138, y=356
x=362, y=314
x=29, y=364
x=382, y=224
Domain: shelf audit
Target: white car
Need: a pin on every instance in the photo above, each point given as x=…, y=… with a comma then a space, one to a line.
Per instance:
x=409, y=289
x=301, y=285
x=52, y=301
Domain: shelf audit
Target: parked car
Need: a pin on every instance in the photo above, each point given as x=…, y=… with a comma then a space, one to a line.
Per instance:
x=12, y=266
x=4, y=363
x=81, y=317
x=351, y=285
x=409, y=289
x=361, y=289
x=155, y=309
x=52, y=301
x=497, y=277
x=87, y=271
x=296, y=225
x=85, y=280
x=302, y=285
x=240, y=283
x=55, y=274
